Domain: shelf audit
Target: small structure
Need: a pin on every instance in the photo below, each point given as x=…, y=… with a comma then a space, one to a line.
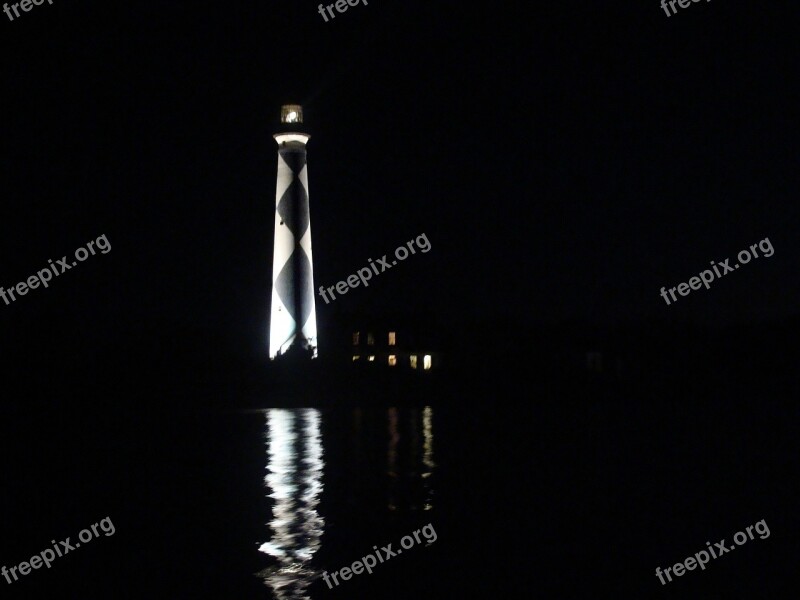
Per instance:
x=393, y=348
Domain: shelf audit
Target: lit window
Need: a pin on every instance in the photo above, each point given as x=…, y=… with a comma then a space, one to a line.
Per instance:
x=413, y=361
x=371, y=358
x=426, y=362
x=392, y=360
x=355, y=357
x=355, y=338
x=370, y=339
x=392, y=338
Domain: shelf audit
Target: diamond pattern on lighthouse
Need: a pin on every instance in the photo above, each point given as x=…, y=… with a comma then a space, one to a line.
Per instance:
x=292, y=317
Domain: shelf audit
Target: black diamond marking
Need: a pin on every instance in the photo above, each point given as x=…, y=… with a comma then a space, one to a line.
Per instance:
x=294, y=286
x=293, y=208
x=304, y=293
x=295, y=159
x=284, y=286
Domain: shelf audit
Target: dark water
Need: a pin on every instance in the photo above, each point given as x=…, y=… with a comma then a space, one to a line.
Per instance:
x=551, y=496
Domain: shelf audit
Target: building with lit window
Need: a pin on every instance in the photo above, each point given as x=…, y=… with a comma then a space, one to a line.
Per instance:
x=393, y=347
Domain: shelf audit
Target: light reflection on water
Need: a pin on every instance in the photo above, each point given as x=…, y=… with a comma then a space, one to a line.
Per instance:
x=294, y=481
x=294, y=472
x=413, y=477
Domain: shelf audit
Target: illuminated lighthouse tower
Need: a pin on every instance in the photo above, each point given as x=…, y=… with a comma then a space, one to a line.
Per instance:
x=293, y=320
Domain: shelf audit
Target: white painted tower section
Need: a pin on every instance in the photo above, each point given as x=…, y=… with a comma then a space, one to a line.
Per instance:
x=293, y=321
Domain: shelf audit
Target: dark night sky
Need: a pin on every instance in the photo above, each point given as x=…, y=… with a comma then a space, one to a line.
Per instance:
x=565, y=160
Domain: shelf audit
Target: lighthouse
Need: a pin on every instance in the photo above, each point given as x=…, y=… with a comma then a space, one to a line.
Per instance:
x=293, y=319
